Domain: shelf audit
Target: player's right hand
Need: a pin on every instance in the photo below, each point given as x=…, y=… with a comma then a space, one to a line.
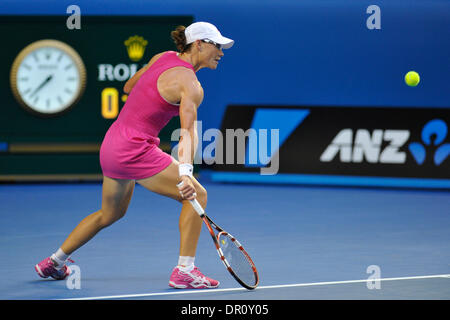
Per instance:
x=186, y=188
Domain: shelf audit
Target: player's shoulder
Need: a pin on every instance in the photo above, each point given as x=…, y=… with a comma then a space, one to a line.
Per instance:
x=189, y=84
x=185, y=74
x=155, y=57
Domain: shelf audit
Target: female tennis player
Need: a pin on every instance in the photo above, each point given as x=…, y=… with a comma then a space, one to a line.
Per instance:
x=166, y=87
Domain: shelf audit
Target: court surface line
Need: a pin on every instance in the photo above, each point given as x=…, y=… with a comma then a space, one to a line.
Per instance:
x=371, y=280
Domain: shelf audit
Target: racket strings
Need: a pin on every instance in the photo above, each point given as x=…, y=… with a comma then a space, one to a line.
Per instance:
x=237, y=260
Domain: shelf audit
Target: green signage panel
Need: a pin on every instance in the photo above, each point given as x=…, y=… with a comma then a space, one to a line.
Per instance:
x=62, y=88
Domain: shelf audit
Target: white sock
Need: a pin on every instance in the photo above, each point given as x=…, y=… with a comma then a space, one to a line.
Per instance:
x=59, y=257
x=185, y=263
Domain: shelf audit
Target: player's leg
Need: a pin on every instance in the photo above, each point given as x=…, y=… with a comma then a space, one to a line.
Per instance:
x=185, y=274
x=116, y=196
x=190, y=224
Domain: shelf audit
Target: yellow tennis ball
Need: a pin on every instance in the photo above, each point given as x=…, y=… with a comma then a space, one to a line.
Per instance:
x=412, y=78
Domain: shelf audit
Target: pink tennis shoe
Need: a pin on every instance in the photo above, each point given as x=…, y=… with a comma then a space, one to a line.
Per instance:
x=191, y=280
x=47, y=268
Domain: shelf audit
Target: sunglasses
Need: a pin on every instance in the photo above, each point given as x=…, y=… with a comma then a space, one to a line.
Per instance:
x=217, y=45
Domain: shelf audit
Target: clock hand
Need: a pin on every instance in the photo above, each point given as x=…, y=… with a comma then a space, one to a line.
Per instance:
x=42, y=85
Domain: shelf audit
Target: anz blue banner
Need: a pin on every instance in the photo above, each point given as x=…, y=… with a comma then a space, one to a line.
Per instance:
x=357, y=146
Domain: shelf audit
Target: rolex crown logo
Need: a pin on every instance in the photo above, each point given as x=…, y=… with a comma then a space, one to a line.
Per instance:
x=136, y=47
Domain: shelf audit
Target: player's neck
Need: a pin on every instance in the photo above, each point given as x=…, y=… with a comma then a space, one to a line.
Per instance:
x=191, y=59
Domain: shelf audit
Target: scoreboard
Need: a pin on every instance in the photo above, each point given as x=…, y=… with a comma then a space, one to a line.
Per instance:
x=61, y=89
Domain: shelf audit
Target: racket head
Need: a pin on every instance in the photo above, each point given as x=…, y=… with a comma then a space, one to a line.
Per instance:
x=237, y=260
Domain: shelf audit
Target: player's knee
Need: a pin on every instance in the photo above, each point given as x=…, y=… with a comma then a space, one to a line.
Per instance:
x=108, y=217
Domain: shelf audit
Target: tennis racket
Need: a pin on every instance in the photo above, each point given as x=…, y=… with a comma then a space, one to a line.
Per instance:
x=233, y=255
x=231, y=252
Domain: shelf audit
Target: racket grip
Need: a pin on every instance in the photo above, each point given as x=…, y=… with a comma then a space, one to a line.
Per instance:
x=197, y=207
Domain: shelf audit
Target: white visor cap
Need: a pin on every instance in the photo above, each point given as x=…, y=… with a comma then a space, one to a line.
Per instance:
x=206, y=30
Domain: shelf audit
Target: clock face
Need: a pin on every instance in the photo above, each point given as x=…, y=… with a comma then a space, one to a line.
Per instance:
x=48, y=77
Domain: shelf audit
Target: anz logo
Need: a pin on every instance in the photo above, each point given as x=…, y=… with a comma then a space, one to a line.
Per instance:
x=433, y=136
x=384, y=146
x=360, y=145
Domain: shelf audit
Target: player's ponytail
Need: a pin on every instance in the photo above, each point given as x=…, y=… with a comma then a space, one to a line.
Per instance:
x=179, y=38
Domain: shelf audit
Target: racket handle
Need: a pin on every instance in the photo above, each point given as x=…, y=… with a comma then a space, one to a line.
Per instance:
x=198, y=208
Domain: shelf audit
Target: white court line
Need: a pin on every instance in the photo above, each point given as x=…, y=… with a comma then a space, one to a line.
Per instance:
x=259, y=288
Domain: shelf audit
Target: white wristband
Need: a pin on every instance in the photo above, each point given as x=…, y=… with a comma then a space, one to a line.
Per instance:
x=185, y=169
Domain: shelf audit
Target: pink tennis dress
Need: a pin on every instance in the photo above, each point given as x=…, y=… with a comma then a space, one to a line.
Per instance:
x=130, y=149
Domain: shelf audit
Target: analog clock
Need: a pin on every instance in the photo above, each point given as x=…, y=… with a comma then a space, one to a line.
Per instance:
x=48, y=77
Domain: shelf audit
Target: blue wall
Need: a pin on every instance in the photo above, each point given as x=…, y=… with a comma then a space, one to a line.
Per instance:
x=305, y=52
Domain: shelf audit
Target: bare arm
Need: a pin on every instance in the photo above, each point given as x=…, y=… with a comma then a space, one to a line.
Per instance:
x=191, y=98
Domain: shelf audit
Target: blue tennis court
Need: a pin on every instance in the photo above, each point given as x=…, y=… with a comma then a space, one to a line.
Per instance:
x=307, y=243
x=323, y=142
